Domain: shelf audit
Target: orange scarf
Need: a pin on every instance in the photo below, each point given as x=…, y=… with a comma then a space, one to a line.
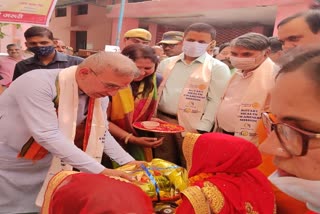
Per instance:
x=34, y=151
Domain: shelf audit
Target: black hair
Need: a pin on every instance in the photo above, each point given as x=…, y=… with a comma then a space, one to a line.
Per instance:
x=38, y=31
x=312, y=18
x=202, y=27
x=223, y=46
x=275, y=44
x=138, y=51
x=12, y=45
x=251, y=41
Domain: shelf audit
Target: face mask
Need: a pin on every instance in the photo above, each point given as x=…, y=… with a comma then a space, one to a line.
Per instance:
x=301, y=189
x=42, y=51
x=243, y=63
x=194, y=49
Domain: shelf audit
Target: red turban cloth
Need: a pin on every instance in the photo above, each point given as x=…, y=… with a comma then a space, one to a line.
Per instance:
x=223, y=177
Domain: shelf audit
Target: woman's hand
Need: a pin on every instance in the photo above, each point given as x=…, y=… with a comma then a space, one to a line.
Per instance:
x=117, y=173
x=152, y=142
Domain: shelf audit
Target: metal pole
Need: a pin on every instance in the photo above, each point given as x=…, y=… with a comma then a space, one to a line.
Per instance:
x=120, y=20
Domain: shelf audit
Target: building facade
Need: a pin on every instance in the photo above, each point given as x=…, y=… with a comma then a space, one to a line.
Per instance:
x=92, y=24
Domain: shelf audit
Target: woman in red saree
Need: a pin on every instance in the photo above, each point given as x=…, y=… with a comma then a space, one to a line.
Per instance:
x=136, y=103
x=223, y=178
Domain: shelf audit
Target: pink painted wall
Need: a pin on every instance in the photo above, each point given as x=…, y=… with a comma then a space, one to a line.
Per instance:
x=102, y=25
x=13, y=35
x=158, y=8
x=60, y=26
x=153, y=30
x=96, y=24
x=128, y=24
x=155, y=8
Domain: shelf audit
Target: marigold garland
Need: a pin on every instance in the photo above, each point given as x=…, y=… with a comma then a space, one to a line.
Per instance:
x=200, y=177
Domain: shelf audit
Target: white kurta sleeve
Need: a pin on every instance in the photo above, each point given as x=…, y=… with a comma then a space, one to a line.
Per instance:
x=219, y=80
x=115, y=151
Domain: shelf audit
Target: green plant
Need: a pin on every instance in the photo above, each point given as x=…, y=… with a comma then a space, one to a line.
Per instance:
x=2, y=34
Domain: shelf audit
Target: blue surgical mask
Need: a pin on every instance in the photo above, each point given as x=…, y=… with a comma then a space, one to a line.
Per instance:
x=194, y=49
x=41, y=51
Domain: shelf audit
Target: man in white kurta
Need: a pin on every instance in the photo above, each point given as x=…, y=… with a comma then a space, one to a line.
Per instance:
x=27, y=109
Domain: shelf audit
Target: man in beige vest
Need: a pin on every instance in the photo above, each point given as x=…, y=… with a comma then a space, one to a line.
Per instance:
x=247, y=93
x=192, y=86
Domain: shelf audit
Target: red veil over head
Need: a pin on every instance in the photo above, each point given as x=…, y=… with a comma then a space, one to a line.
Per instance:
x=82, y=193
x=223, y=177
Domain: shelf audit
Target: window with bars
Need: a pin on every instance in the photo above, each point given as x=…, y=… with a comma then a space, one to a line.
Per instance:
x=61, y=12
x=82, y=9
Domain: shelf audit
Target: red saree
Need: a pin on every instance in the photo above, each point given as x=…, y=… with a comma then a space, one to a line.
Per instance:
x=82, y=193
x=223, y=177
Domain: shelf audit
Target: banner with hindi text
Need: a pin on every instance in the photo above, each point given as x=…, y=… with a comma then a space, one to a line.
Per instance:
x=35, y=12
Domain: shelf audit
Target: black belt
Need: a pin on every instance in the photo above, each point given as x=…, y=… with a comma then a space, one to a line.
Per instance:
x=226, y=132
x=168, y=115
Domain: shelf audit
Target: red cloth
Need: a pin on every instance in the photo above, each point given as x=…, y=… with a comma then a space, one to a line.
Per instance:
x=233, y=161
x=83, y=193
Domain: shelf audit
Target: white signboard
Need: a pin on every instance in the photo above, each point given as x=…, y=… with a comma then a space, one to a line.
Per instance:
x=111, y=48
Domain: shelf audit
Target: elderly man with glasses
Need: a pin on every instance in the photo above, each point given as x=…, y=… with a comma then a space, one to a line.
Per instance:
x=55, y=120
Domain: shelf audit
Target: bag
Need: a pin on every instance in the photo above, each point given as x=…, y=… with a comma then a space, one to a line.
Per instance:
x=159, y=179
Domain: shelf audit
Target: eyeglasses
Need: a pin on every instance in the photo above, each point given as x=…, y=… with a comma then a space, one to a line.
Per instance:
x=295, y=141
x=168, y=45
x=107, y=85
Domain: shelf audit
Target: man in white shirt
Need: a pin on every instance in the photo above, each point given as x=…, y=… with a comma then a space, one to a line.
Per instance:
x=28, y=120
x=192, y=86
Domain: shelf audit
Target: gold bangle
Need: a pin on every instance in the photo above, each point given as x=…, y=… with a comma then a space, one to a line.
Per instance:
x=126, y=140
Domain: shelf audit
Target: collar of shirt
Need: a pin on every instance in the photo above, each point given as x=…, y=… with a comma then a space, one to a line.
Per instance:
x=14, y=59
x=200, y=59
x=58, y=57
x=244, y=75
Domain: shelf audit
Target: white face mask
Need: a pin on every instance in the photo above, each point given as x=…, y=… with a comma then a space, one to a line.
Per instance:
x=194, y=49
x=301, y=189
x=243, y=63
